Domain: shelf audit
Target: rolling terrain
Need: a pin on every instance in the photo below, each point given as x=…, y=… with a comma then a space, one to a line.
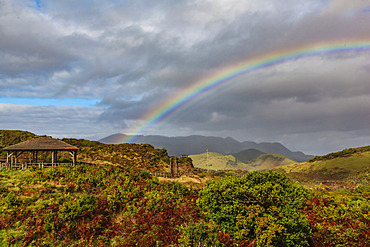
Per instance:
x=197, y=144
x=247, y=155
x=268, y=161
x=349, y=168
x=113, y=200
x=336, y=165
x=218, y=161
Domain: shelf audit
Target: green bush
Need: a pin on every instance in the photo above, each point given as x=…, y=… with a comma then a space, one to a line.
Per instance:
x=199, y=234
x=261, y=206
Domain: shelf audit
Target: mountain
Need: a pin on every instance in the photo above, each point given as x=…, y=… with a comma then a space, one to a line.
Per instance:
x=216, y=161
x=277, y=148
x=114, y=139
x=197, y=144
x=247, y=155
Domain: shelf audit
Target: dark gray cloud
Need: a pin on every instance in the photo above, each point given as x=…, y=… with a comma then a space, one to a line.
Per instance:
x=133, y=55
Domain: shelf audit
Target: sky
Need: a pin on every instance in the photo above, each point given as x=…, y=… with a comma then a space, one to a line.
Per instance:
x=89, y=69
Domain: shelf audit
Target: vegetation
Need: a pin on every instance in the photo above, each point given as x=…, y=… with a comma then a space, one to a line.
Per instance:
x=343, y=168
x=343, y=153
x=92, y=205
x=141, y=156
x=11, y=137
x=113, y=200
x=339, y=218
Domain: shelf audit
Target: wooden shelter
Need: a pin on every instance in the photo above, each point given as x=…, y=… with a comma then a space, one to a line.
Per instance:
x=36, y=145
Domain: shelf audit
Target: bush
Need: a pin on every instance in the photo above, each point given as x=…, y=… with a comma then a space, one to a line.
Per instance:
x=261, y=206
x=339, y=220
x=199, y=234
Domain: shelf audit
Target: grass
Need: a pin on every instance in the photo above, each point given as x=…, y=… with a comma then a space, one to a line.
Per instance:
x=348, y=171
x=350, y=164
x=218, y=161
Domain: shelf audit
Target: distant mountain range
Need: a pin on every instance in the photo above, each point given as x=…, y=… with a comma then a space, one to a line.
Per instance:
x=197, y=144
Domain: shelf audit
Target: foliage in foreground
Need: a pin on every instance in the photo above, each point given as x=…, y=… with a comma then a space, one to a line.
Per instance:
x=340, y=218
x=92, y=205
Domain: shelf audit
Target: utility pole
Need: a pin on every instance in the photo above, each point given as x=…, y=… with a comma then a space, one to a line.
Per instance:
x=207, y=157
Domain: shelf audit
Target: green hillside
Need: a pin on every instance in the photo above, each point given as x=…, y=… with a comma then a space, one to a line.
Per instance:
x=340, y=165
x=141, y=156
x=247, y=155
x=11, y=137
x=268, y=161
x=218, y=161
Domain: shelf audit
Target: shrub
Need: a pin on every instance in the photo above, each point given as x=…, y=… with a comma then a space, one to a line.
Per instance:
x=339, y=220
x=259, y=205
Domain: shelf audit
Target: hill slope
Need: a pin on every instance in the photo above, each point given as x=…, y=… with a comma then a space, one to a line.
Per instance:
x=218, y=161
x=247, y=155
x=11, y=137
x=339, y=165
x=268, y=161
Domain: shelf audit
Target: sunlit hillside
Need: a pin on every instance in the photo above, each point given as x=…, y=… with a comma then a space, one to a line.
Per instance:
x=338, y=165
x=216, y=161
x=268, y=161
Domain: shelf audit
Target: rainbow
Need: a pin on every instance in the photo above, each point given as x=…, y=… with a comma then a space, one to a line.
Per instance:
x=202, y=88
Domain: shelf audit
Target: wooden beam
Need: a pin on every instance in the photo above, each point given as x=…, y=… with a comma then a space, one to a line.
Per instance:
x=74, y=157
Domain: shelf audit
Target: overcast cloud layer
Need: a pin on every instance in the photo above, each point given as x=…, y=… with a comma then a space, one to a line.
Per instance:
x=88, y=69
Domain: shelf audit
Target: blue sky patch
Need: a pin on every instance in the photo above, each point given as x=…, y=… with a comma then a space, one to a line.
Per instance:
x=49, y=102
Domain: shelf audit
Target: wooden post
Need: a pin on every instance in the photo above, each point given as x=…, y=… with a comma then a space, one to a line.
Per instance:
x=177, y=168
x=74, y=157
x=15, y=159
x=171, y=170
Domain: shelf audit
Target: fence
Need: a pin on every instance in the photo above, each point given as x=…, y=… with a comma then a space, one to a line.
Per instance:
x=165, y=175
x=26, y=165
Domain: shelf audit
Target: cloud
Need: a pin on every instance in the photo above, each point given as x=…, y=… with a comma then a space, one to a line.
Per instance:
x=133, y=55
x=61, y=121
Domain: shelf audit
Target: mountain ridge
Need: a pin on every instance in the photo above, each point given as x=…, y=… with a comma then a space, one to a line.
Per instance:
x=197, y=144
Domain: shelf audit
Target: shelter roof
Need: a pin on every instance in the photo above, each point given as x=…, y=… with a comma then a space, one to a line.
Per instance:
x=41, y=144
